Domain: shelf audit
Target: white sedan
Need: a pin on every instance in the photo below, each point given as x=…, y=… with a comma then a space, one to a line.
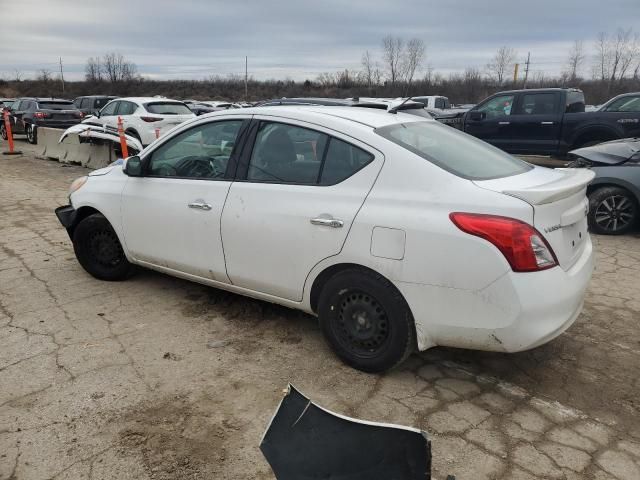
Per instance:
x=144, y=118
x=396, y=231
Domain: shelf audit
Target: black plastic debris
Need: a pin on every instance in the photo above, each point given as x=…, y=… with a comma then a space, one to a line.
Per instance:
x=306, y=442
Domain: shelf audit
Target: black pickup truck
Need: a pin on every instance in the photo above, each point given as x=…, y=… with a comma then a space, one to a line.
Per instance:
x=548, y=121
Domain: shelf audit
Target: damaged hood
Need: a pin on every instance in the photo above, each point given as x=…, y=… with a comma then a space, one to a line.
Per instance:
x=615, y=152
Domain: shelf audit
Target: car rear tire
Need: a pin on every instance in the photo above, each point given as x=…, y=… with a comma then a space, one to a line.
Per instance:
x=32, y=134
x=98, y=249
x=612, y=211
x=366, y=321
x=3, y=131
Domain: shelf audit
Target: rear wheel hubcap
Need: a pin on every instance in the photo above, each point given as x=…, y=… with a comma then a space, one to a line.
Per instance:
x=362, y=326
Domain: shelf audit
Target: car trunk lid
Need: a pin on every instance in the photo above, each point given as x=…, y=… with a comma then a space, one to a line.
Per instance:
x=560, y=206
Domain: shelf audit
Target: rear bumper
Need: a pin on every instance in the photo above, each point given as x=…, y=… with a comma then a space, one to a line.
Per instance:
x=57, y=124
x=517, y=312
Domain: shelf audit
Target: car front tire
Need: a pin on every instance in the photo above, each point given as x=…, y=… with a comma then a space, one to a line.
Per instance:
x=612, y=211
x=366, y=321
x=98, y=249
x=3, y=131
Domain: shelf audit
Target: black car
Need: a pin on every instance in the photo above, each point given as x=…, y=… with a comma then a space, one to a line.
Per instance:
x=91, y=104
x=27, y=114
x=199, y=108
x=614, y=194
x=548, y=121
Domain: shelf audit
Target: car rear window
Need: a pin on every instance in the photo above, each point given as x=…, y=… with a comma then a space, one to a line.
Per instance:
x=56, y=105
x=167, y=108
x=454, y=151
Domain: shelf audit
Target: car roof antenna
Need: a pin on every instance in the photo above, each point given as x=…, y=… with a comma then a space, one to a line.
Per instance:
x=397, y=107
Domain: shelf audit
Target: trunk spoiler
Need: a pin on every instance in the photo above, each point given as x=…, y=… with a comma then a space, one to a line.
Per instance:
x=573, y=180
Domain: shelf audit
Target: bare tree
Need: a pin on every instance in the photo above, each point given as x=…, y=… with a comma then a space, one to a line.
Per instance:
x=499, y=65
x=93, y=70
x=44, y=75
x=616, y=56
x=574, y=61
x=117, y=69
x=17, y=75
x=413, y=57
x=368, y=69
x=392, y=52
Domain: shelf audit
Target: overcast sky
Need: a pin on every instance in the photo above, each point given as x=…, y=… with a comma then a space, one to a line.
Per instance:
x=297, y=39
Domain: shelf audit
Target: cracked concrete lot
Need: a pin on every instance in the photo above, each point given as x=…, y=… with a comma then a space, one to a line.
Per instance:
x=159, y=378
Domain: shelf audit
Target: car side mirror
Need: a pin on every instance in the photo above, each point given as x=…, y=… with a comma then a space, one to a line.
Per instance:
x=96, y=114
x=133, y=166
x=477, y=116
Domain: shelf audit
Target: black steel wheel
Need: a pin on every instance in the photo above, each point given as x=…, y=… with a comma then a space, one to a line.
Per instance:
x=98, y=249
x=366, y=320
x=612, y=211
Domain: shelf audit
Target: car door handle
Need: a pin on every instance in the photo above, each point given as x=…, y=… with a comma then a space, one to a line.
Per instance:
x=327, y=222
x=547, y=123
x=200, y=206
x=504, y=123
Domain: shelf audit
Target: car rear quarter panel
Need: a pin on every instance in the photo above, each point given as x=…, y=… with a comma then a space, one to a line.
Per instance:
x=449, y=267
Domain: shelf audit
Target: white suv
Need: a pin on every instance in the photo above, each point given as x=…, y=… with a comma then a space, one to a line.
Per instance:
x=141, y=116
x=397, y=231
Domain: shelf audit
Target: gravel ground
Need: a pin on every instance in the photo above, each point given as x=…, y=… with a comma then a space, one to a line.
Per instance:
x=160, y=378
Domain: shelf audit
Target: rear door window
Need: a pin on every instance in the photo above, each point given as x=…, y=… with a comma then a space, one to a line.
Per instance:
x=341, y=161
x=458, y=153
x=284, y=153
x=86, y=103
x=538, y=104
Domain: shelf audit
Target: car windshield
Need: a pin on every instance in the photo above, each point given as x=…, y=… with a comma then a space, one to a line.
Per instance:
x=167, y=108
x=57, y=105
x=454, y=151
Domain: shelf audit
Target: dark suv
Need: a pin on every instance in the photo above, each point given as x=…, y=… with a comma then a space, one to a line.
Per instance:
x=91, y=104
x=27, y=114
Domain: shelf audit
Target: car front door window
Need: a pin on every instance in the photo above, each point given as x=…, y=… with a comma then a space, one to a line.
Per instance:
x=202, y=152
x=109, y=110
x=498, y=106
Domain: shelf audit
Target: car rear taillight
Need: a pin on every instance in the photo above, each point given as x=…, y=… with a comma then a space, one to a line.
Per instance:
x=41, y=115
x=151, y=119
x=523, y=246
x=78, y=114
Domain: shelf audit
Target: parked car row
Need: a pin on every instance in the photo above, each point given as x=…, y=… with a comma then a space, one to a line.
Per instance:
x=27, y=114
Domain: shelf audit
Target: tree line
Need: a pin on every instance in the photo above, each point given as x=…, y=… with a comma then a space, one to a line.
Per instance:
x=398, y=68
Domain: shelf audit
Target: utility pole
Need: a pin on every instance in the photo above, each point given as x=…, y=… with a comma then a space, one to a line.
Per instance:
x=526, y=71
x=62, y=76
x=515, y=75
x=246, y=78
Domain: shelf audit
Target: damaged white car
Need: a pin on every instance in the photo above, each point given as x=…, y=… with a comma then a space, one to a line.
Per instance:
x=398, y=232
